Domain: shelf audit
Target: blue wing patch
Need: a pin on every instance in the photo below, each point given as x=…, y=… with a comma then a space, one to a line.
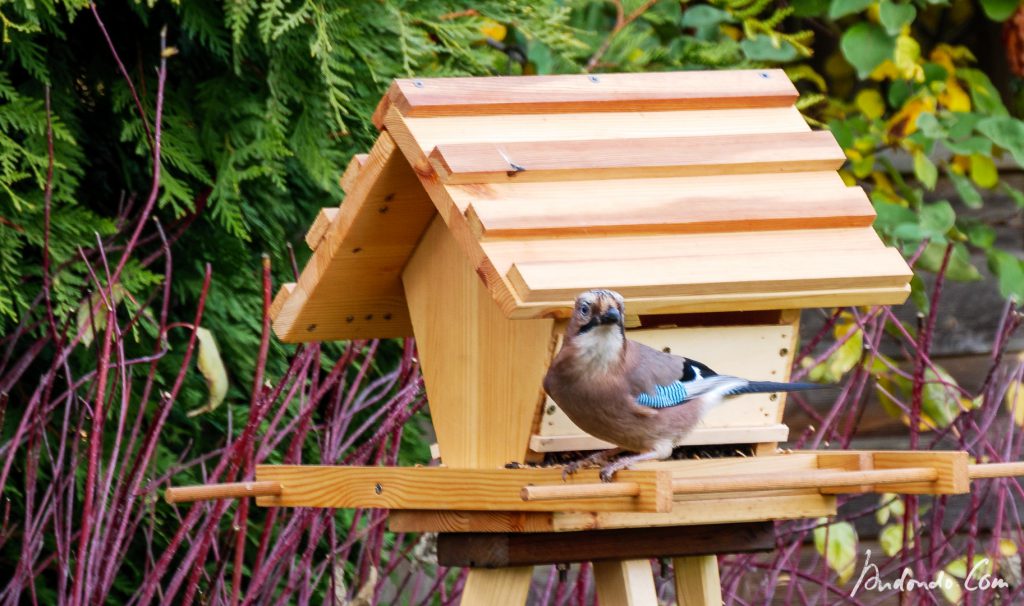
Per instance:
x=665, y=396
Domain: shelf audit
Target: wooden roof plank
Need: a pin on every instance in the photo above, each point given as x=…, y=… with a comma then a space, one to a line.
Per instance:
x=740, y=273
x=431, y=132
x=321, y=224
x=686, y=211
x=588, y=93
x=629, y=158
x=351, y=287
x=347, y=182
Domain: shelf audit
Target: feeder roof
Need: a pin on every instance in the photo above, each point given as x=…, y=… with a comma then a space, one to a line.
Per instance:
x=684, y=191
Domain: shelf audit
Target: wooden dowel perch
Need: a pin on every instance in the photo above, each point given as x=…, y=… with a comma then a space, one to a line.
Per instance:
x=995, y=470
x=236, y=490
x=747, y=482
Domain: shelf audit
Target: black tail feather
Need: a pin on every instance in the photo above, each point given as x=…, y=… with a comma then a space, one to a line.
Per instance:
x=773, y=386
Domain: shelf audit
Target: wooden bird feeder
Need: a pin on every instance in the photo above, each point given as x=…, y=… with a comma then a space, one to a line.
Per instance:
x=485, y=206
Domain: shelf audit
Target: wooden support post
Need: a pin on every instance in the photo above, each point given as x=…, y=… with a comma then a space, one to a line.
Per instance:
x=697, y=582
x=497, y=587
x=625, y=583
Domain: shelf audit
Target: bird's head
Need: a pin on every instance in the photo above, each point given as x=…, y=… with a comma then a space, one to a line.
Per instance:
x=597, y=326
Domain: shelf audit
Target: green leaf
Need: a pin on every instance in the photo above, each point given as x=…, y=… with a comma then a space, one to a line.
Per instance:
x=899, y=92
x=928, y=124
x=970, y=196
x=941, y=403
x=1015, y=194
x=866, y=46
x=924, y=170
x=937, y=218
x=894, y=16
x=919, y=295
x=984, y=96
x=959, y=267
x=961, y=124
x=841, y=8
x=891, y=538
x=888, y=216
x=211, y=365
x=809, y=8
x=763, y=48
x=837, y=543
x=970, y=145
x=705, y=20
x=1010, y=271
x=890, y=506
x=980, y=235
x=999, y=10
x=1007, y=133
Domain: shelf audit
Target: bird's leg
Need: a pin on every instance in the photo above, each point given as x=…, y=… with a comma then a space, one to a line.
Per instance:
x=598, y=458
x=662, y=450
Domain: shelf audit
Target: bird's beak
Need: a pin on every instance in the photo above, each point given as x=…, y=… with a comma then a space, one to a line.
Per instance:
x=612, y=316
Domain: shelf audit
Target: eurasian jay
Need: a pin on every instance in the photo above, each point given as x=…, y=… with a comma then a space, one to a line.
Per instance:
x=636, y=397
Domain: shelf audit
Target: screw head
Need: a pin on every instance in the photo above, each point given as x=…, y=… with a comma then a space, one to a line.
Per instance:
x=593, y=78
x=377, y=488
x=765, y=75
x=417, y=83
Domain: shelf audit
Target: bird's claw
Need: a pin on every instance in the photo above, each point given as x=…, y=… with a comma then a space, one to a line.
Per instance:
x=607, y=473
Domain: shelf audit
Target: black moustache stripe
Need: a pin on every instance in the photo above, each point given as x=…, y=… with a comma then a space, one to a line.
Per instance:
x=594, y=321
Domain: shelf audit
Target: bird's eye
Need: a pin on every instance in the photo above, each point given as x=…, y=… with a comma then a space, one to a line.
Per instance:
x=584, y=308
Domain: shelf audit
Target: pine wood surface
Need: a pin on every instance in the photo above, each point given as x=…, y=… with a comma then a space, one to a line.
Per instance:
x=589, y=93
x=683, y=212
x=483, y=372
x=498, y=586
x=519, y=128
x=321, y=224
x=628, y=158
x=625, y=582
x=776, y=505
x=348, y=178
x=446, y=488
x=697, y=581
x=351, y=286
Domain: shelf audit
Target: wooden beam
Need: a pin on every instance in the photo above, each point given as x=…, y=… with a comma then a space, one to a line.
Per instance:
x=351, y=287
x=484, y=414
x=347, y=182
x=697, y=581
x=280, y=298
x=625, y=582
x=732, y=508
x=684, y=212
x=434, y=131
x=588, y=93
x=628, y=158
x=445, y=488
x=207, y=492
x=500, y=587
x=694, y=276
x=488, y=549
x=320, y=226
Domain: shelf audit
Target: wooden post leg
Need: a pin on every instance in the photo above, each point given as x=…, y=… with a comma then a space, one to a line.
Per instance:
x=497, y=586
x=625, y=583
x=697, y=582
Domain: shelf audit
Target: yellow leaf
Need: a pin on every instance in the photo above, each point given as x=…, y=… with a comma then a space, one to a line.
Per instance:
x=212, y=368
x=882, y=183
x=961, y=164
x=886, y=71
x=983, y=171
x=870, y=103
x=493, y=30
x=838, y=544
x=1007, y=547
x=1014, y=400
x=732, y=31
x=904, y=122
x=847, y=178
x=891, y=538
x=907, y=55
x=950, y=587
x=954, y=97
